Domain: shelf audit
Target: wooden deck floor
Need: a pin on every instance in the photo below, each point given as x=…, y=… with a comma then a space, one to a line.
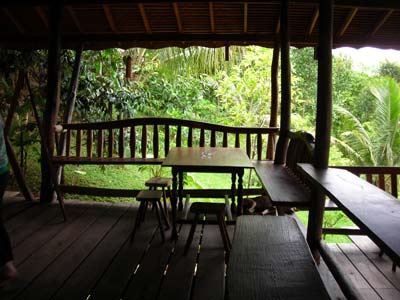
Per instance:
x=91, y=257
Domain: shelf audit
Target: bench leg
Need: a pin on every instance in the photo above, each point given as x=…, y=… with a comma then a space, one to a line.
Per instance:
x=159, y=222
x=191, y=233
x=137, y=220
x=165, y=218
x=165, y=205
x=224, y=232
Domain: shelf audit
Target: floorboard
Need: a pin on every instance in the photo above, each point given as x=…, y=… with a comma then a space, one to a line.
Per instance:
x=83, y=279
x=59, y=271
x=210, y=276
x=177, y=283
x=42, y=258
x=91, y=257
x=118, y=274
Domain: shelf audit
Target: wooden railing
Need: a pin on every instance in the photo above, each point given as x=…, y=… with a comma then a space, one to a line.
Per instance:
x=147, y=141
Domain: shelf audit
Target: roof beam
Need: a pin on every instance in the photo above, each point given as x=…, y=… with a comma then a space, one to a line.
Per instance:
x=74, y=18
x=245, y=13
x=313, y=21
x=144, y=18
x=382, y=21
x=42, y=15
x=178, y=17
x=212, y=19
x=110, y=18
x=347, y=22
x=383, y=4
x=16, y=23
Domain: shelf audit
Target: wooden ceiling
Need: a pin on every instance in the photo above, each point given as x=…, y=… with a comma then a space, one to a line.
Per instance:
x=154, y=24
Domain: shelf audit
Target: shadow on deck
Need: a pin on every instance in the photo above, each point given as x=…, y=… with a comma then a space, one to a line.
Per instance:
x=91, y=257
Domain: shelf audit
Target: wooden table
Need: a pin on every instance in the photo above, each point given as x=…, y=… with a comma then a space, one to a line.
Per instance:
x=206, y=160
x=372, y=209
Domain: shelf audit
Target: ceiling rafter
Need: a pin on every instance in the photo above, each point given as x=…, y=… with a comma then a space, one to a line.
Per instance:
x=42, y=15
x=178, y=17
x=16, y=23
x=212, y=19
x=144, y=18
x=313, y=21
x=278, y=26
x=348, y=20
x=382, y=21
x=110, y=18
x=245, y=16
x=74, y=18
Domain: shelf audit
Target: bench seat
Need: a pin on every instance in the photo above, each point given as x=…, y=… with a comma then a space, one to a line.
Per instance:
x=73, y=160
x=270, y=259
x=281, y=186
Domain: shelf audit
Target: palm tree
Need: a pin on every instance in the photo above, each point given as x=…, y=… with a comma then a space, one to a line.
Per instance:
x=376, y=142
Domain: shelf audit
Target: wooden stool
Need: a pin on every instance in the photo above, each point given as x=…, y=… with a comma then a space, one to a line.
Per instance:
x=144, y=197
x=209, y=208
x=156, y=182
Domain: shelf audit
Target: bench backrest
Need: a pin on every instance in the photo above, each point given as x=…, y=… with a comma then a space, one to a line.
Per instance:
x=154, y=137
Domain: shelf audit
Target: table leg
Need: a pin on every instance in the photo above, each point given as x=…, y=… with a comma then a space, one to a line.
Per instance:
x=180, y=195
x=240, y=192
x=233, y=191
x=173, y=202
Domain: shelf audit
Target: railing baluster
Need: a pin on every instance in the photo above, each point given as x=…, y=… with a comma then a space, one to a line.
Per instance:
x=110, y=142
x=248, y=145
x=237, y=140
x=166, y=140
x=190, y=137
x=259, y=146
x=132, y=141
x=369, y=178
x=89, y=142
x=78, y=142
x=144, y=141
x=68, y=143
x=202, y=137
x=212, y=139
x=121, y=146
x=179, y=136
x=155, y=141
x=225, y=139
x=100, y=143
x=393, y=180
x=382, y=181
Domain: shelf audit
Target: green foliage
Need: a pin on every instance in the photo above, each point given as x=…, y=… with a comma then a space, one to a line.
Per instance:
x=375, y=142
x=390, y=69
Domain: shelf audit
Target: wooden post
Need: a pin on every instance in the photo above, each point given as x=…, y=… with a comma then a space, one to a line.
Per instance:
x=10, y=151
x=323, y=121
x=273, y=122
x=281, y=147
x=73, y=87
x=128, y=71
x=53, y=98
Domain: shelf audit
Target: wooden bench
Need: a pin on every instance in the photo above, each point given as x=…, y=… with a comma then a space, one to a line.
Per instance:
x=147, y=141
x=270, y=259
x=282, y=183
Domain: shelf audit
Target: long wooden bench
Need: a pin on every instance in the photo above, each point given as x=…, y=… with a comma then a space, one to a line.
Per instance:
x=147, y=141
x=270, y=259
x=282, y=183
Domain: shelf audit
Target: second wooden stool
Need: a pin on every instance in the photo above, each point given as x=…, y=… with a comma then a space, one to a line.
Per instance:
x=146, y=197
x=163, y=183
x=217, y=209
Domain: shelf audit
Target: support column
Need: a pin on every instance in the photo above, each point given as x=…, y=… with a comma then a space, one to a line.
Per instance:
x=10, y=151
x=323, y=121
x=273, y=122
x=281, y=147
x=53, y=97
